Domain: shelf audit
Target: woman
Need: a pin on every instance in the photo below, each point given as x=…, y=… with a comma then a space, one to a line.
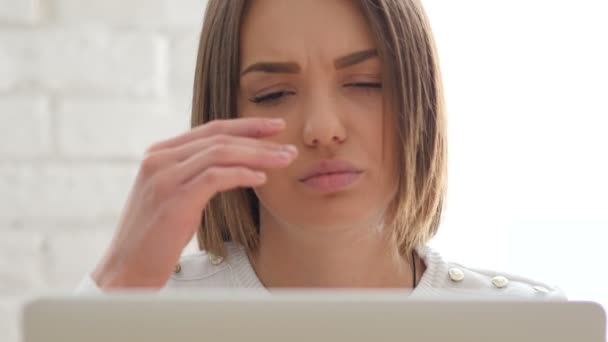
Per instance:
x=317, y=158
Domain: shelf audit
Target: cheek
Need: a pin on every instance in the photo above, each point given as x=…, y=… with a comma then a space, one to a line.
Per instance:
x=370, y=101
x=273, y=194
x=374, y=131
x=242, y=107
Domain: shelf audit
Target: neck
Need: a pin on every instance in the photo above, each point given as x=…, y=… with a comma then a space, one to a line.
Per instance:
x=306, y=257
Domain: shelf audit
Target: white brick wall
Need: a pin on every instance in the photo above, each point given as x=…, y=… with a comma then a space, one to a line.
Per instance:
x=147, y=14
x=63, y=191
x=25, y=126
x=85, y=87
x=109, y=128
x=22, y=11
x=83, y=61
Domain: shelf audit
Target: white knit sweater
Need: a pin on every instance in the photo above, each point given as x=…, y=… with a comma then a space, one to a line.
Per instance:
x=202, y=270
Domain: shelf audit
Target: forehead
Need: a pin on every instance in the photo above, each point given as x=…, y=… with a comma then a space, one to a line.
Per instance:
x=300, y=29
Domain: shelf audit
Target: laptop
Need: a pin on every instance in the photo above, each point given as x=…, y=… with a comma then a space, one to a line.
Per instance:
x=352, y=316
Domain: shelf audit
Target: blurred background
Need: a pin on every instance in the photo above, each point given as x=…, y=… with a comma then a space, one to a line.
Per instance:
x=86, y=86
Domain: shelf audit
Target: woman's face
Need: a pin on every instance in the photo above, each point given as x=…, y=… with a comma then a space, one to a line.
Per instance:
x=314, y=64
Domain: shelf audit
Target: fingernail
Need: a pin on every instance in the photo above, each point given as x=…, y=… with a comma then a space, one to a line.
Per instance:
x=290, y=148
x=261, y=176
x=277, y=123
x=284, y=155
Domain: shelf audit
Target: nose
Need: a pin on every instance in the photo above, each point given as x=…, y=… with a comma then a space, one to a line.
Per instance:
x=324, y=125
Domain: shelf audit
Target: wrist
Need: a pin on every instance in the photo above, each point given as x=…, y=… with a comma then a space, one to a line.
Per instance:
x=111, y=274
x=107, y=276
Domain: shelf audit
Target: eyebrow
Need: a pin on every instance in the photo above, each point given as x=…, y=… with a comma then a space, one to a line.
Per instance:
x=293, y=67
x=355, y=58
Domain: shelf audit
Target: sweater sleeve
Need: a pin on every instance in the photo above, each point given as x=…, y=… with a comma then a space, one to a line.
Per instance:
x=88, y=286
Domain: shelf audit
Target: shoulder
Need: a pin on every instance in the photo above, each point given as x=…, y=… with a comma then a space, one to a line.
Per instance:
x=453, y=278
x=497, y=283
x=205, y=270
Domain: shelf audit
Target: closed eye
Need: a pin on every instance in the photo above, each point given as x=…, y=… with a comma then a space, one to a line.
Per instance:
x=365, y=85
x=275, y=96
x=271, y=96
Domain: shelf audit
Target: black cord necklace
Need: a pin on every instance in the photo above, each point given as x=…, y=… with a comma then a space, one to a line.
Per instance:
x=414, y=267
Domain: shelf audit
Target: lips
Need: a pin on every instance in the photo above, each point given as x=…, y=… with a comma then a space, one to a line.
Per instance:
x=329, y=167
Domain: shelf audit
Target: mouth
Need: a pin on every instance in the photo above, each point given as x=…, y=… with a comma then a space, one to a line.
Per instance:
x=331, y=182
x=328, y=167
x=328, y=176
x=336, y=173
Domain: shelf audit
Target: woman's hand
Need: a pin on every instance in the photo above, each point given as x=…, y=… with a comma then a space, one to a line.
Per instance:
x=176, y=180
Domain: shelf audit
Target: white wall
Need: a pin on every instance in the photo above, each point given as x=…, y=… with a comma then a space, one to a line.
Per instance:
x=86, y=85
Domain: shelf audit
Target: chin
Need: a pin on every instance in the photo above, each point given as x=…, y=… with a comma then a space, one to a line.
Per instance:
x=340, y=210
x=338, y=217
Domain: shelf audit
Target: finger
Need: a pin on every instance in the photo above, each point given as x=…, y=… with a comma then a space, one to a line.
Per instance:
x=216, y=179
x=247, y=127
x=227, y=155
x=185, y=151
x=155, y=162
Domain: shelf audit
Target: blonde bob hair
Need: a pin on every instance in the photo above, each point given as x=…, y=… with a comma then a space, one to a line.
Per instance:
x=412, y=79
